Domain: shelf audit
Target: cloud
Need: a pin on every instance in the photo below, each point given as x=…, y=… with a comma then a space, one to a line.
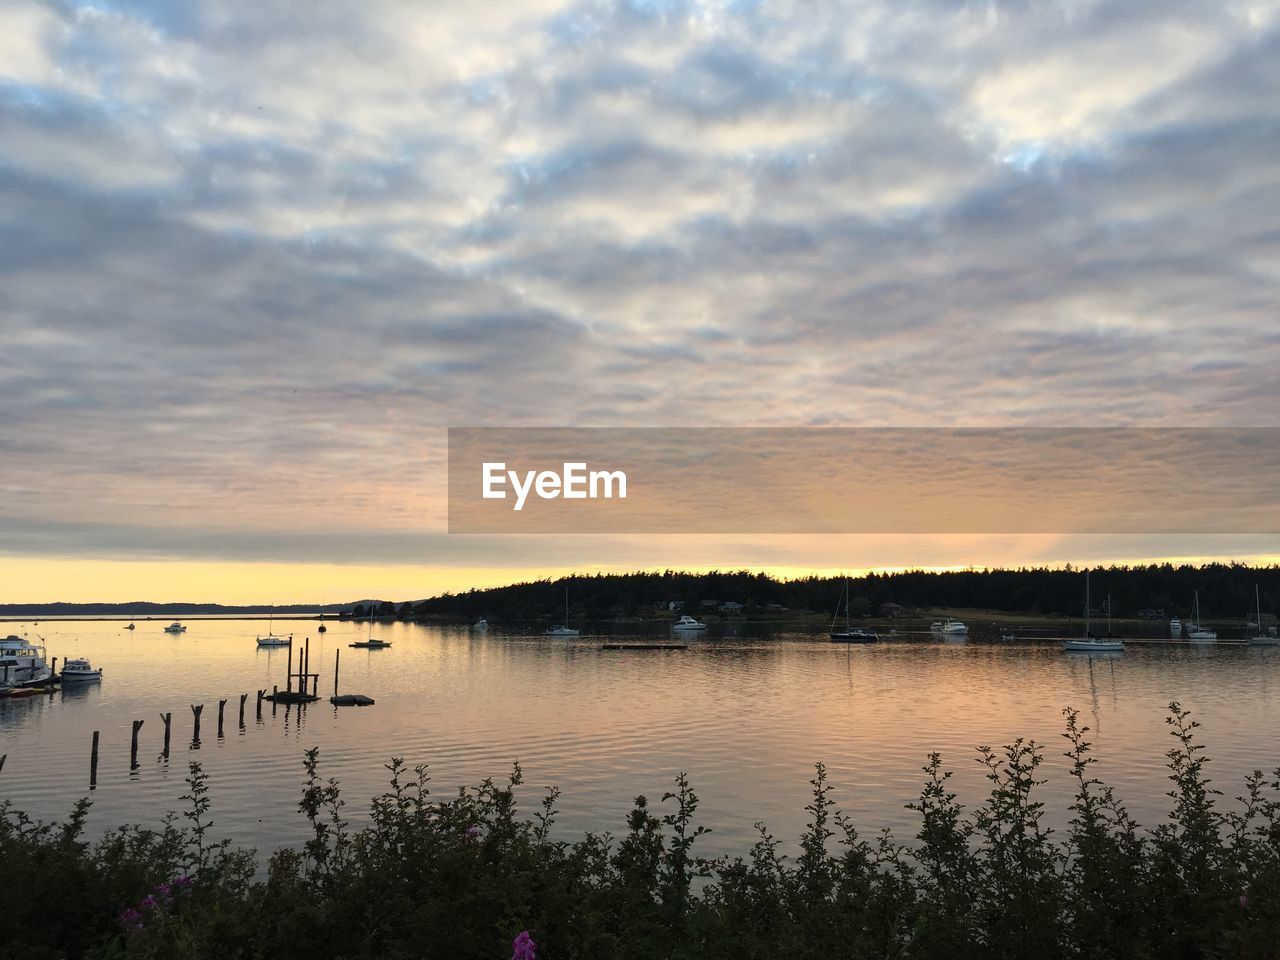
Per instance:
x=255, y=263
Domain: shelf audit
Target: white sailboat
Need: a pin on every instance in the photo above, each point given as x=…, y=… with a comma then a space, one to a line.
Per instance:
x=1196, y=633
x=271, y=640
x=1261, y=638
x=1090, y=644
x=564, y=630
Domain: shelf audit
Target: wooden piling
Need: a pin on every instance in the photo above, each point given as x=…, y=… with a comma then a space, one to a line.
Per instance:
x=3, y=758
x=243, y=698
x=261, y=694
x=93, y=763
x=303, y=683
x=337, y=654
x=222, y=709
x=196, y=711
x=133, y=746
x=165, y=718
x=288, y=676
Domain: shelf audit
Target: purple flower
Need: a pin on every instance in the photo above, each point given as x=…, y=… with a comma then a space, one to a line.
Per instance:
x=472, y=832
x=182, y=881
x=148, y=902
x=1244, y=902
x=523, y=947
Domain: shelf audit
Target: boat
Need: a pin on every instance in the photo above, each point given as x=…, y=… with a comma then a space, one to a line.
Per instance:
x=175, y=627
x=1090, y=644
x=1008, y=636
x=687, y=623
x=1261, y=638
x=23, y=664
x=131, y=627
x=563, y=630
x=1196, y=633
x=481, y=624
x=1175, y=629
x=370, y=642
x=271, y=639
x=79, y=670
x=322, y=629
x=849, y=634
x=949, y=627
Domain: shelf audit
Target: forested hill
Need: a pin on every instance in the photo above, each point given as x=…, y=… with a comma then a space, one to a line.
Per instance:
x=1226, y=591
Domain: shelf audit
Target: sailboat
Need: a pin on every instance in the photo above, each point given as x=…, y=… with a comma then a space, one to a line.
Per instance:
x=271, y=640
x=1261, y=638
x=1197, y=633
x=370, y=642
x=1090, y=644
x=849, y=634
x=564, y=630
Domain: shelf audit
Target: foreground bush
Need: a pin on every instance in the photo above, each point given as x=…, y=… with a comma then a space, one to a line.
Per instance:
x=468, y=877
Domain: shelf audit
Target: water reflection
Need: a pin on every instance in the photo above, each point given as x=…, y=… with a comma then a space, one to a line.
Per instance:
x=745, y=710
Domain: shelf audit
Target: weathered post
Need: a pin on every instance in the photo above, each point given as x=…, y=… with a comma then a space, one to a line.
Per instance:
x=306, y=671
x=275, y=692
x=222, y=708
x=133, y=746
x=288, y=677
x=261, y=694
x=93, y=763
x=337, y=655
x=165, y=718
x=195, y=734
x=243, y=698
x=3, y=758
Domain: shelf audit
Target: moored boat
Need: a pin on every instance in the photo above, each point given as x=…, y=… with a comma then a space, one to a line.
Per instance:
x=373, y=643
x=79, y=670
x=1261, y=638
x=175, y=627
x=1197, y=633
x=564, y=630
x=23, y=664
x=687, y=623
x=1090, y=644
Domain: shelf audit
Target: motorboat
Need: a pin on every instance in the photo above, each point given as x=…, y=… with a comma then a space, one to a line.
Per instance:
x=175, y=627
x=1175, y=629
x=948, y=627
x=1091, y=644
x=131, y=627
x=688, y=623
x=1008, y=636
x=1197, y=633
x=564, y=630
x=322, y=629
x=481, y=624
x=79, y=670
x=373, y=643
x=23, y=664
x=1261, y=638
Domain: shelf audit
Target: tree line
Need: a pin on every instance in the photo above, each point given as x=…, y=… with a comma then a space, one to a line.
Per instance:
x=1225, y=591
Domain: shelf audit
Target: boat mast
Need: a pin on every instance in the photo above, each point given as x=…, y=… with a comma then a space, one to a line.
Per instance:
x=1086, y=604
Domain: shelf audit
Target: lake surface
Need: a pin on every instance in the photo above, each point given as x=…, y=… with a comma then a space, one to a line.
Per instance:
x=746, y=711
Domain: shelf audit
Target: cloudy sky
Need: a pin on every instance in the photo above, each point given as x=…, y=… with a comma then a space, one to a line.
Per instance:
x=255, y=258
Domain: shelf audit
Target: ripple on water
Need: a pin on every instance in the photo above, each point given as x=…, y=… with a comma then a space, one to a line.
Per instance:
x=746, y=716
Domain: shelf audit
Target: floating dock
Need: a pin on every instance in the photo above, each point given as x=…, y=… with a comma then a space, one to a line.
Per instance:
x=644, y=646
x=351, y=700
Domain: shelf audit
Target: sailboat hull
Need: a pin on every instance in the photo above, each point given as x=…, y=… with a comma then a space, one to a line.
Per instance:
x=854, y=636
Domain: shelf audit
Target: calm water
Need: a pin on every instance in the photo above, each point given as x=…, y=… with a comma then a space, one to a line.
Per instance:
x=746, y=712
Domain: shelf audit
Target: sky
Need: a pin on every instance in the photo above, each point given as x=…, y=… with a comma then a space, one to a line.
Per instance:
x=255, y=260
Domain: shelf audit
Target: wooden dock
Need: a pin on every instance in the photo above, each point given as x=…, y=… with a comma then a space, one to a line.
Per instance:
x=644, y=646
